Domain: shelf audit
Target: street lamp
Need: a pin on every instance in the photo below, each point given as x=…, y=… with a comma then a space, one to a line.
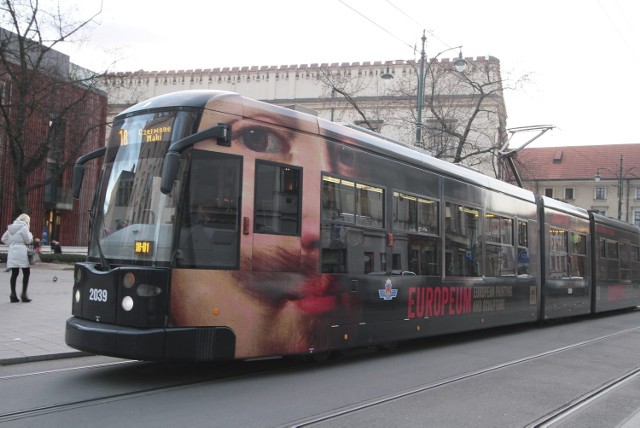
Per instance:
x=459, y=63
x=620, y=177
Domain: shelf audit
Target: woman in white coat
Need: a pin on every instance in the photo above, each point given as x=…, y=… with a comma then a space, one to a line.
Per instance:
x=17, y=237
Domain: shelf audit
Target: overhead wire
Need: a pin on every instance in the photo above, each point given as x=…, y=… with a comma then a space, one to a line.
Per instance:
x=421, y=25
x=395, y=36
x=375, y=23
x=619, y=31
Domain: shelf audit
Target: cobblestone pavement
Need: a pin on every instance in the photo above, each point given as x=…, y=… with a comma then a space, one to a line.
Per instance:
x=35, y=331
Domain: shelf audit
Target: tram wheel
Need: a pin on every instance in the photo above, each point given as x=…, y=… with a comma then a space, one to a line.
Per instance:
x=389, y=346
x=321, y=357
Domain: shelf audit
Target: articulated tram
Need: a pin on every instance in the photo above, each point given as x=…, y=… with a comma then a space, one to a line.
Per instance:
x=226, y=228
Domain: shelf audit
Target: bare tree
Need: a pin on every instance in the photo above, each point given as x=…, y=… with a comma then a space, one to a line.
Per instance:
x=41, y=93
x=465, y=116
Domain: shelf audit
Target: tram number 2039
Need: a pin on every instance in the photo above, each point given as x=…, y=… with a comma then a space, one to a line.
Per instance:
x=97, y=295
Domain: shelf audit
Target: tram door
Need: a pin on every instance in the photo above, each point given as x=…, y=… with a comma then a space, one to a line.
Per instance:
x=210, y=228
x=277, y=219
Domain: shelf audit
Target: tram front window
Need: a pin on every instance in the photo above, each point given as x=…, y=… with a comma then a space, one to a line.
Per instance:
x=133, y=218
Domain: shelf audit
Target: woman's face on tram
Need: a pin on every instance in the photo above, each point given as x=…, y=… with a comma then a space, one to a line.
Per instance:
x=279, y=290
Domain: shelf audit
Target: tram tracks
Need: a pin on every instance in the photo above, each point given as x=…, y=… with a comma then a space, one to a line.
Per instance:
x=587, y=399
x=186, y=375
x=546, y=421
x=68, y=369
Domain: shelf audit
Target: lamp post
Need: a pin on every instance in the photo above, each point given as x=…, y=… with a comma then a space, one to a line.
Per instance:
x=460, y=64
x=620, y=177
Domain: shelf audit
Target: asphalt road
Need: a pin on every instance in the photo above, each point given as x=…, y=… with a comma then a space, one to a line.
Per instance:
x=513, y=377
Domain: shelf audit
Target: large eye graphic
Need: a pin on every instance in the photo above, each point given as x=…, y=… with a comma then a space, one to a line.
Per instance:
x=263, y=140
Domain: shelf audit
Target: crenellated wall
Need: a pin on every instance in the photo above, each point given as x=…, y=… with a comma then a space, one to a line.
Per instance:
x=266, y=83
x=390, y=103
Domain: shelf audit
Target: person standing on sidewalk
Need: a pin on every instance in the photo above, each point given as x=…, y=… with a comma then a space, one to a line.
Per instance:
x=17, y=237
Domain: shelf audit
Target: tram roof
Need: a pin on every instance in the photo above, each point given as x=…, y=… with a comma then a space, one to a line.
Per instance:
x=301, y=121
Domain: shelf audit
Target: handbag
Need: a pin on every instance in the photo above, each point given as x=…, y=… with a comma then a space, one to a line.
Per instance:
x=34, y=257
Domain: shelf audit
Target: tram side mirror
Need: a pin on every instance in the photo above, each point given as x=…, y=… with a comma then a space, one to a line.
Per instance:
x=78, y=170
x=78, y=176
x=170, y=167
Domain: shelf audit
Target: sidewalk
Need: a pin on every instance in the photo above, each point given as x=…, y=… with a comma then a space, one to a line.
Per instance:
x=35, y=331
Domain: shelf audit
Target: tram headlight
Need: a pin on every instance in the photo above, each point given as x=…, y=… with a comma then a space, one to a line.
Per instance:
x=127, y=303
x=129, y=280
x=76, y=296
x=78, y=275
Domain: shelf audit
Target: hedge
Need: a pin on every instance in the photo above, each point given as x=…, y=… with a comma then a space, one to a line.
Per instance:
x=54, y=258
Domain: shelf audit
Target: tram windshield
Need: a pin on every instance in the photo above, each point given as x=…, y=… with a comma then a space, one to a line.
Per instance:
x=132, y=219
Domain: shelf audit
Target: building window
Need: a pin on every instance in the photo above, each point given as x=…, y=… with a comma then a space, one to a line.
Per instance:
x=599, y=210
x=548, y=192
x=636, y=218
x=600, y=193
x=637, y=192
x=569, y=194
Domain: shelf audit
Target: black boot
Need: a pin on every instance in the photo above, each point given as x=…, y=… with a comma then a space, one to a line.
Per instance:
x=25, y=283
x=13, y=296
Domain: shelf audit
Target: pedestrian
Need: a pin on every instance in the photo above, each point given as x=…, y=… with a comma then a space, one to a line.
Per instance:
x=55, y=247
x=37, y=246
x=17, y=237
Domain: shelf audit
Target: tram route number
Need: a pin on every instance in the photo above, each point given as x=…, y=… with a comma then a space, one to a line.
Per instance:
x=98, y=295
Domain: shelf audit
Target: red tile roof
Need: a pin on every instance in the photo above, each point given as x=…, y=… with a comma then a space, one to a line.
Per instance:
x=578, y=162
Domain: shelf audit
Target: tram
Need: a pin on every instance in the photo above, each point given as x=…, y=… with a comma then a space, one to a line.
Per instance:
x=226, y=228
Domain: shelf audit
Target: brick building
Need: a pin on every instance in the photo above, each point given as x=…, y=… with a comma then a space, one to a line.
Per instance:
x=64, y=120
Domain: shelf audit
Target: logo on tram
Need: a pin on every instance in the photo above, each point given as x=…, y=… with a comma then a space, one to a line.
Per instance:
x=389, y=293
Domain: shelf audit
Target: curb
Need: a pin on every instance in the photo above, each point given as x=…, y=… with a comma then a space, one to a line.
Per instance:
x=46, y=357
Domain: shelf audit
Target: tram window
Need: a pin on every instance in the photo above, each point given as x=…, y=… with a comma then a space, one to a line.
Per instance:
x=463, y=256
x=578, y=244
x=603, y=247
x=338, y=199
x=369, y=260
x=277, y=199
x=351, y=232
x=369, y=205
x=577, y=261
x=351, y=202
x=558, y=256
x=210, y=226
x=419, y=254
x=396, y=262
x=625, y=261
x=635, y=261
x=414, y=213
x=500, y=260
x=523, y=248
x=500, y=255
x=499, y=229
x=523, y=234
x=350, y=249
x=612, y=260
x=612, y=249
